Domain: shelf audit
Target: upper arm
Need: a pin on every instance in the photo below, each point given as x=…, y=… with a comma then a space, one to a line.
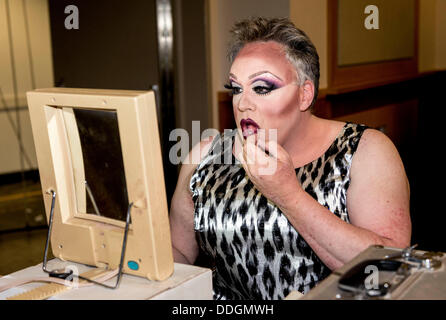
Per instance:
x=182, y=207
x=378, y=196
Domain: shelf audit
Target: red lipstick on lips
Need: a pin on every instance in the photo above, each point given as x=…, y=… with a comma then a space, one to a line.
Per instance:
x=249, y=127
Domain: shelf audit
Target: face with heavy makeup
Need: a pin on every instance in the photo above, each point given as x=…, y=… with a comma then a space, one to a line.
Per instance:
x=266, y=94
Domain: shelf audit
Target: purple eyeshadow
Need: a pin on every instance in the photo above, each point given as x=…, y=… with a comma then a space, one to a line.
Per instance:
x=268, y=82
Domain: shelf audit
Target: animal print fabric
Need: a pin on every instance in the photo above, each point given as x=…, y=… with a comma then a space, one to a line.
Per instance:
x=257, y=253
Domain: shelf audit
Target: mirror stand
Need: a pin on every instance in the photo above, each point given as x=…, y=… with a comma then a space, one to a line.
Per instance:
x=60, y=273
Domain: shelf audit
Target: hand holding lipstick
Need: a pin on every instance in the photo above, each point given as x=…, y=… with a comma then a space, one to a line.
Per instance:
x=270, y=168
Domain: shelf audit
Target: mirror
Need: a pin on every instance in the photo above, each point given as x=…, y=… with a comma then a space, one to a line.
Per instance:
x=97, y=161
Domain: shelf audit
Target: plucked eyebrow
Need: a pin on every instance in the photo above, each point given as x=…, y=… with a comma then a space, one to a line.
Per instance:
x=263, y=72
x=256, y=74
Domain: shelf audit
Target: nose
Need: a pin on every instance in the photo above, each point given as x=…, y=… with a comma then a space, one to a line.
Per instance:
x=244, y=102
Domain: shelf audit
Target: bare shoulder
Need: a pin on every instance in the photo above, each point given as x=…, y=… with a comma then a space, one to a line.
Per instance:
x=376, y=151
x=195, y=156
x=199, y=151
x=182, y=206
x=372, y=138
x=378, y=196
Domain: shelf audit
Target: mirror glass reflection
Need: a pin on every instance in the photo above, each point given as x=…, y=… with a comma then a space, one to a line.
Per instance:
x=97, y=162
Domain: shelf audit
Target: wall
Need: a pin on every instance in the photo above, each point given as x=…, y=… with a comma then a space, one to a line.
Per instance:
x=311, y=16
x=440, y=35
x=37, y=71
x=192, y=101
x=427, y=40
x=222, y=15
x=432, y=51
x=115, y=46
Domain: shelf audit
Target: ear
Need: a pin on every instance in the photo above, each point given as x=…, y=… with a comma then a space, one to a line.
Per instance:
x=306, y=95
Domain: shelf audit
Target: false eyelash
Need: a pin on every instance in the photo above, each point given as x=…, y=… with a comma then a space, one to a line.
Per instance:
x=233, y=89
x=268, y=88
x=230, y=88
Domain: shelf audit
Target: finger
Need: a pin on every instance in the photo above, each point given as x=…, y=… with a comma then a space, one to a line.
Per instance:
x=239, y=135
x=256, y=157
x=248, y=142
x=250, y=150
x=243, y=162
x=261, y=144
x=263, y=141
x=242, y=155
x=238, y=148
x=272, y=147
x=261, y=138
x=251, y=139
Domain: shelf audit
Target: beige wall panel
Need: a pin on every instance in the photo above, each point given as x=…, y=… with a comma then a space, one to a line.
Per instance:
x=394, y=38
x=426, y=48
x=311, y=17
x=20, y=50
x=40, y=39
x=440, y=35
x=9, y=147
x=5, y=57
x=36, y=14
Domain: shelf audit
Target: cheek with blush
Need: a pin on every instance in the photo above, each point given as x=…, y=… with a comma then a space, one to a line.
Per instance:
x=281, y=106
x=281, y=113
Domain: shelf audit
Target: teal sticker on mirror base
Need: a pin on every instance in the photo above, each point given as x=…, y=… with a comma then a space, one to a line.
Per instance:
x=133, y=265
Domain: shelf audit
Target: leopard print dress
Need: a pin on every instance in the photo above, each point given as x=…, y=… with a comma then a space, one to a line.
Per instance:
x=257, y=253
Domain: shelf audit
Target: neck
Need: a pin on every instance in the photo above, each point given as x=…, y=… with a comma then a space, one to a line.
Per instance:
x=302, y=145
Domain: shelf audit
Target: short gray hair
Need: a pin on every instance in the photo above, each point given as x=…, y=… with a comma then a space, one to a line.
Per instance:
x=299, y=49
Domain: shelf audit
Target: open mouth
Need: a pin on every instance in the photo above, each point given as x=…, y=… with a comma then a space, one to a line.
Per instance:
x=249, y=127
